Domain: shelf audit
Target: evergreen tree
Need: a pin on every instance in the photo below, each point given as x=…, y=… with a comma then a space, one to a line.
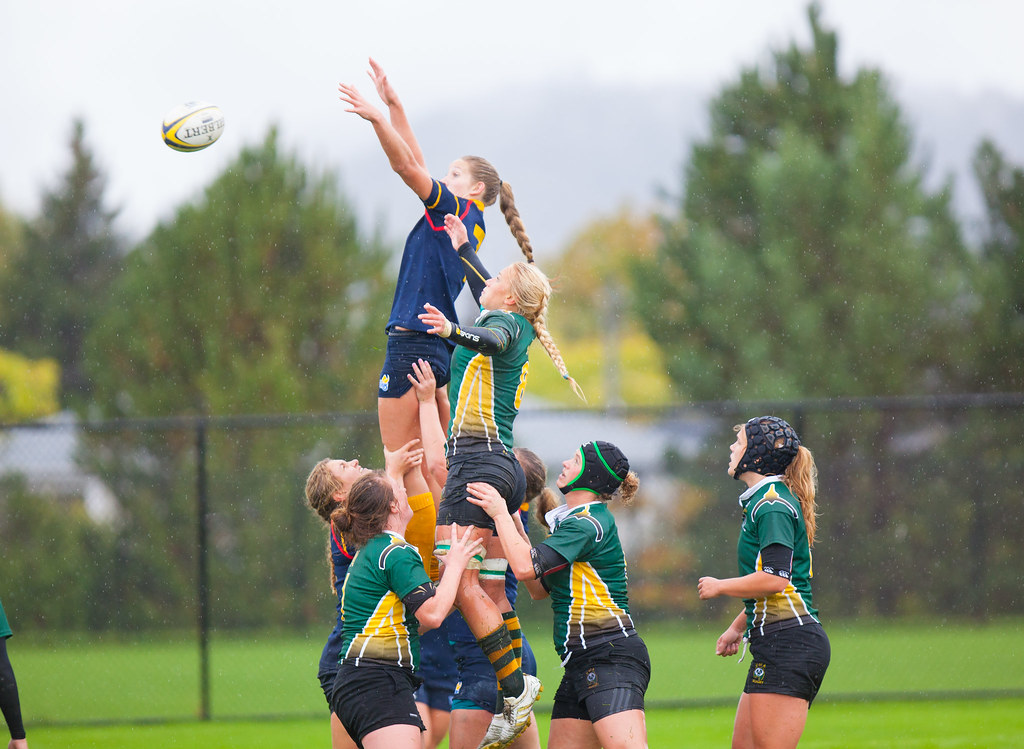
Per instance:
x=259, y=298
x=807, y=259
x=55, y=286
x=1000, y=292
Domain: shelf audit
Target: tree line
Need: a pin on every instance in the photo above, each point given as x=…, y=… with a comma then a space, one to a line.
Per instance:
x=804, y=256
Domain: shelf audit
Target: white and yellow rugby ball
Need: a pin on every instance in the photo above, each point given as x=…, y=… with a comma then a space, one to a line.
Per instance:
x=193, y=126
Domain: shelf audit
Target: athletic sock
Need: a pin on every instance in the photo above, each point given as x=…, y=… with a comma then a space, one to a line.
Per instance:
x=497, y=646
x=515, y=632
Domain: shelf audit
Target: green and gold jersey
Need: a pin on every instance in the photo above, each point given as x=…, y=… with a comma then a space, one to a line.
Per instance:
x=772, y=515
x=376, y=625
x=588, y=595
x=487, y=390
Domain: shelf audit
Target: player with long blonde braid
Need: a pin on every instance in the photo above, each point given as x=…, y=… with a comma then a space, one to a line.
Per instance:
x=489, y=372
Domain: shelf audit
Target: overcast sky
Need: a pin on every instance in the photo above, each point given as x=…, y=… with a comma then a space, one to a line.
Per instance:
x=121, y=64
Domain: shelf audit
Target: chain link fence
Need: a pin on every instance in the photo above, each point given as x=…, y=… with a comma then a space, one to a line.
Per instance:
x=173, y=527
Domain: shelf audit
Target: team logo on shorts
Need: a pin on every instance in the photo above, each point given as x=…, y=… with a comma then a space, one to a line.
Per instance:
x=591, y=678
x=757, y=676
x=384, y=380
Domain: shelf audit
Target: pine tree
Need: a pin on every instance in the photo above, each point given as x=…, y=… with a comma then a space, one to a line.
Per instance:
x=55, y=287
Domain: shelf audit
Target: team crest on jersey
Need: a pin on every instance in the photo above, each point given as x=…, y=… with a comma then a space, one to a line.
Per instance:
x=384, y=382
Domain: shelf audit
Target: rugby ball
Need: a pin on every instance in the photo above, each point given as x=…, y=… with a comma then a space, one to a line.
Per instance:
x=193, y=126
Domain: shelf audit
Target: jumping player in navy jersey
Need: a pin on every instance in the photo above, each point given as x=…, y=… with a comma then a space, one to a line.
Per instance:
x=431, y=270
x=789, y=650
x=489, y=374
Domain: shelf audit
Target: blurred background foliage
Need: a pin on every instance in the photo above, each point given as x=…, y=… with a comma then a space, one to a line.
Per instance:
x=802, y=258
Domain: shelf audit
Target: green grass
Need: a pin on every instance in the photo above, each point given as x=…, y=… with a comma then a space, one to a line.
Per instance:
x=888, y=685
x=988, y=724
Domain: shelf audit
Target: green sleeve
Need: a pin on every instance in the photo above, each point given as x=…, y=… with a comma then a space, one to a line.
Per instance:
x=573, y=538
x=776, y=527
x=404, y=570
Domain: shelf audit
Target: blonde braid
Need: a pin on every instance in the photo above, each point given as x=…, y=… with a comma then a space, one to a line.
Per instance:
x=548, y=343
x=507, y=206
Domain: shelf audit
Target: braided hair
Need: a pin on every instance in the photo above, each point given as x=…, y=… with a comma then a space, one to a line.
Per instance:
x=532, y=291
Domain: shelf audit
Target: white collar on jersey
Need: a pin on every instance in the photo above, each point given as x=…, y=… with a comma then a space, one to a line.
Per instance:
x=752, y=490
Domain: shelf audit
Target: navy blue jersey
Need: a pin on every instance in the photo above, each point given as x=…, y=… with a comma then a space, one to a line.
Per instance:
x=431, y=269
x=341, y=559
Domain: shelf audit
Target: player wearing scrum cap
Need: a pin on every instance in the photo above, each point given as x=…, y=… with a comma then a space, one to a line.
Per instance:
x=788, y=646
x=600, y=700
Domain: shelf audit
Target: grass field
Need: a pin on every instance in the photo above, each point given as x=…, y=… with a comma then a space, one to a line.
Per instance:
x=888, y=685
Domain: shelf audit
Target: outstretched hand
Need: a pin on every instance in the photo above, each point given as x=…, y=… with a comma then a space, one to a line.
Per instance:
x=380, y=82
x=357, y=103
x=423, y=383
x=456, y=230
x=438, y=323
x=486, y=497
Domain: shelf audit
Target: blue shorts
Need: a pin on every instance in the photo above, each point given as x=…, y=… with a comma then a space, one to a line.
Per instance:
x=478, y=686
x=499, y=469
x=437, y=669
x=403, y=349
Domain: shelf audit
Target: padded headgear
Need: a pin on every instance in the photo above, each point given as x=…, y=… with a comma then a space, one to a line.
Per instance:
x=603, y=471
x=771, y=446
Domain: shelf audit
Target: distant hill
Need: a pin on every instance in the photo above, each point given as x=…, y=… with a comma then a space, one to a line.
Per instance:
x=574, y=154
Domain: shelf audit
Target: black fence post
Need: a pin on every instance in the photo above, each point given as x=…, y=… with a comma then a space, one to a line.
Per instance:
x=203, y=587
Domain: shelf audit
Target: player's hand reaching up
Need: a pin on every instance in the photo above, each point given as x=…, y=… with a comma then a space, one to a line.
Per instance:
x=456, y=230
x=423, y=383
x=357, y=103
x=438, y=323
x=380, y=82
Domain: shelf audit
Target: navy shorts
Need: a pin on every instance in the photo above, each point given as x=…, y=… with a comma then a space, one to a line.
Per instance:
x=327, y=684
x=499, y=469
x=790, y=661
x=477, y=688
x=373, y=696
x=437, y=669
x=403, y=349
x=609, y=679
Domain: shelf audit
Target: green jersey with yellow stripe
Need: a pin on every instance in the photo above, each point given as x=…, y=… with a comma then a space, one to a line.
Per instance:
x=376, y=626
x=487, y=390
x=588, y=595
x=772, y=515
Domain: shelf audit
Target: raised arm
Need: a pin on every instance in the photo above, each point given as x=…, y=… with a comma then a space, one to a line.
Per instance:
x=517, y=548
x=476, y=273
x=434, y=610
x=431, y=431
x=401, y=156
x=396, y=112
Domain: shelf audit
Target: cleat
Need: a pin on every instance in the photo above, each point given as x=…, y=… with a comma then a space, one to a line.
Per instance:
x=515, y=716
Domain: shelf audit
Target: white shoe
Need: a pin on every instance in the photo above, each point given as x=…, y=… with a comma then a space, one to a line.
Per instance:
x=507, y=725
x=494, y=731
